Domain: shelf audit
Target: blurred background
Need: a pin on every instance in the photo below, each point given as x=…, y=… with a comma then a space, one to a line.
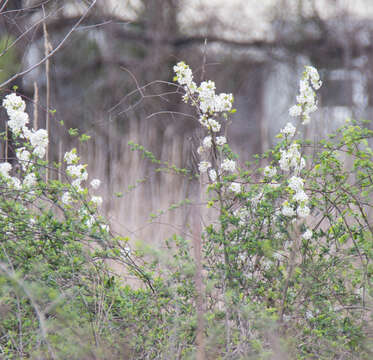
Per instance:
x=104, y=81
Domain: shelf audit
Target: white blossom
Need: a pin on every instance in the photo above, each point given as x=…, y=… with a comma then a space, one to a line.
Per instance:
x=18, y=120
x=203, y=120
x=77, y=171
x=16, y=183
x=307, y=235
x=97, y=200
x=287, y=210
x=5, y=167
x=300, y=197
x=90, y=221
x=77, y=185
x=213, y=125
x=39, y=151
x=207, y=142
x=228, y=165
x=223, y=102
x=29, y=180
x=288, y=130
x=290, y=158
x=105, y=227
x=23, y=157
x=270, y=171
x=206, y=92
x=184, y=76
x=314, y=77
x=203, y=166
x=71, y=157
x=235, y=187
x=306, y=99
x=295, y=110
x=39, y=141
x=13, y=102
x=303, y=211
x=212, y=175
x=95, y=183
x=299, y=165
x=296, y=183
x=66, y=198
x=221, y=140
x=39, y=138
x=126, y=251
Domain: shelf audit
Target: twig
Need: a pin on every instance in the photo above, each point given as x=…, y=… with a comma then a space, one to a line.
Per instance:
x=36, y=104
x=67, y=36
x=3, y=7
x=47, y=49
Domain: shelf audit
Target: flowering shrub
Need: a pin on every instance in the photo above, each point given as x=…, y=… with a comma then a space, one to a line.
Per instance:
x=287, y=263
x=54, y=245
x=297, y=242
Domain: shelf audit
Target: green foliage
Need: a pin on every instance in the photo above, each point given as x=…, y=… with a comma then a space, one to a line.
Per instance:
x=267, y=290
x=9, y=61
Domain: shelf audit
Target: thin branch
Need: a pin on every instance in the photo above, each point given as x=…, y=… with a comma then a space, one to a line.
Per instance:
x=3, y=7
x=24, y=33
x=67, y=36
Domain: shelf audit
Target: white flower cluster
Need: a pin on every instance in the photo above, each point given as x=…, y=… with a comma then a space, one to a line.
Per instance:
x=24, y=157
x=95, y=183
x=228, y=165
x=29, y=180
x=35, y=144
x=221, y=140
x=66, y=198
x=291, y=159
x=210, y=124
x=213, y=175
x=307, y=234
x=207, y=142
x=203, y=166
x=5, y=167
x=71, y=157
x=78, y=173
x=38, y=140
x=306, y=99
x=97, y=200
x=287, y=209
x=288, y=130
x=184, y=76
x=209, y=102
x=17, y=123
x=15, y=108
x=270, y=171
x=296, y=184
x=209, y=105
x=235, y=187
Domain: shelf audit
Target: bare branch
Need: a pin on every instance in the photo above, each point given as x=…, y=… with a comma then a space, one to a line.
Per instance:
x=52, y=52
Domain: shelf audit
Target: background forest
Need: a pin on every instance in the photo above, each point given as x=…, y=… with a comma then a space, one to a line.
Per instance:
x=157, y=276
